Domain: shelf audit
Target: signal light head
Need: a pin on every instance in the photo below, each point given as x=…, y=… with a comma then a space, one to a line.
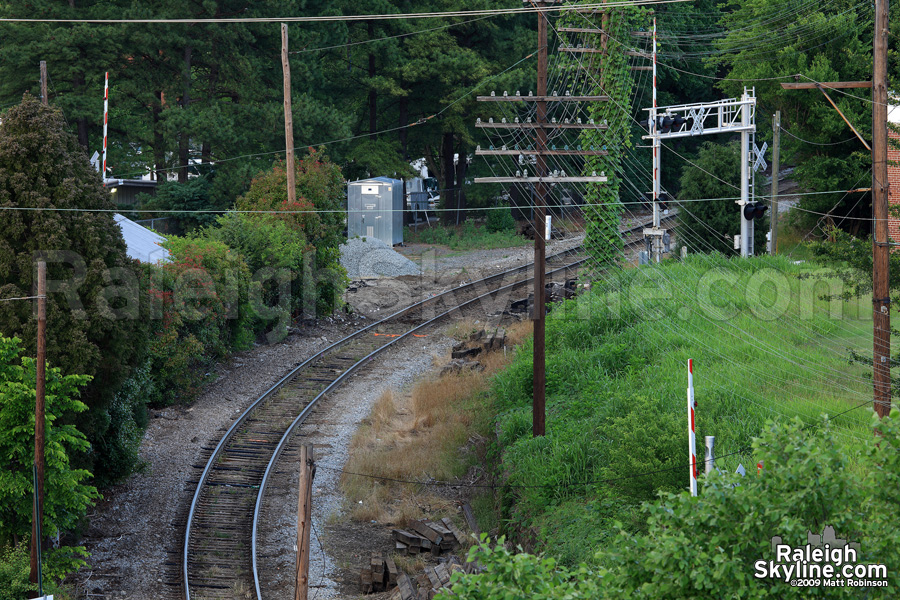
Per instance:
x=665, y=124
x=755, y=210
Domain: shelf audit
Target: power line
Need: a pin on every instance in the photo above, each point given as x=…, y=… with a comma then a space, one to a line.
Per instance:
x=390, y=37
x=345, y=18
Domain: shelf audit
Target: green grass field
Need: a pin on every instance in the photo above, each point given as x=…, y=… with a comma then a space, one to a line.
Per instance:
x=765, y=346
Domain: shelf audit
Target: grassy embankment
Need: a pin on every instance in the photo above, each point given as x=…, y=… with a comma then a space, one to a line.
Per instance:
x=616, y=399
x=616, y=402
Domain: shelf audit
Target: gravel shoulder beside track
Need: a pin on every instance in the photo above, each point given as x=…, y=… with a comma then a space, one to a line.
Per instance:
x=331, y=428
x=130, y=533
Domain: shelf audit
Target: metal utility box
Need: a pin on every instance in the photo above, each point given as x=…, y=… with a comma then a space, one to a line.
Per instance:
x=375, y=209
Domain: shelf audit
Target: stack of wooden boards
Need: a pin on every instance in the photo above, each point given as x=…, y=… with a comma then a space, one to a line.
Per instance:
x=427, y=536
x=427, y=585
x=381, y=574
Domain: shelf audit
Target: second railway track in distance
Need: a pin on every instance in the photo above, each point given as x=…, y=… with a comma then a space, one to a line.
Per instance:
x=218, y=558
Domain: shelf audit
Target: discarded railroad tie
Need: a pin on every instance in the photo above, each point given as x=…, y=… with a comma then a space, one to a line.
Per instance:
x=427, y=536
x=380, y=575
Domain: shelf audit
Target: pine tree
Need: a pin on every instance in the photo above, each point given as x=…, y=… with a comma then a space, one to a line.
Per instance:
x=44, y=175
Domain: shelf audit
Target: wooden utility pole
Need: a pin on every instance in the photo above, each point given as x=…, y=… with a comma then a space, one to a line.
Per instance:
x=39, y=420
x=44, y=98
x=776, y=156
x=539, y=308
x=288, y=118
x=304, y=521
x=881, y=250
x=541, y=178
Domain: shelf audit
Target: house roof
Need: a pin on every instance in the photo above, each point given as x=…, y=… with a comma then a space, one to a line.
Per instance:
x=142, y=244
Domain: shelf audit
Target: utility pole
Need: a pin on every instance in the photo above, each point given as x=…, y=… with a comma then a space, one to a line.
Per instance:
x=881, y=321
x=776, y=156
x=657, y=161
x=44, y=98
x=304, y=521
x=541, y=178
x=288, y=118
x=746, y=224
x=39, y=420
x=538, y=419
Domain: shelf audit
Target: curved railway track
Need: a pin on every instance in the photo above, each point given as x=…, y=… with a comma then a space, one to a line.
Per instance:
x=218, y=558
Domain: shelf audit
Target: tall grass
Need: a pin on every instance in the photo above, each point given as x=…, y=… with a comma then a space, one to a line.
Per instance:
x=420, y=435
x=764, y=344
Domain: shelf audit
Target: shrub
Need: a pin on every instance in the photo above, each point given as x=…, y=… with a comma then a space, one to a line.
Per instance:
x=200, y=305
x=317, y=213
x=508, y=576
x=278, y=256
x=500, y=220
x=66, y=495
x=707, y=546
x=57, y=563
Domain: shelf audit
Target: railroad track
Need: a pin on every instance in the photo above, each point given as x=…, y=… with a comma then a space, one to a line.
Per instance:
x=218, y=558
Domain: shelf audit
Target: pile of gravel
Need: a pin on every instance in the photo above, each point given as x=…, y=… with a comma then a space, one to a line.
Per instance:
x=370, y=257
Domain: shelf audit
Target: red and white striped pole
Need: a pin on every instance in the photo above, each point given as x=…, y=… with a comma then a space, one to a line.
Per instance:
x=692, y=435
x=105, y=122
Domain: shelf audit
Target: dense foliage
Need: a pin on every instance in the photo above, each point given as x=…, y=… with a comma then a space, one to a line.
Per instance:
x=708, y=215
x=42, y=167
x=317, y=219
x=706, y=547
x=67, y=494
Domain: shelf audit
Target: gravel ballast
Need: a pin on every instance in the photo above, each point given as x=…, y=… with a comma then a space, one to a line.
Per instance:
x=370, y=257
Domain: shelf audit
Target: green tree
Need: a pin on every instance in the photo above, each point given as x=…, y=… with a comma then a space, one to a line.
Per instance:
x=766, y=40
x=191, y=196
x=66, y=492
x=92, y=327
x=713, y=179
x=317, y=214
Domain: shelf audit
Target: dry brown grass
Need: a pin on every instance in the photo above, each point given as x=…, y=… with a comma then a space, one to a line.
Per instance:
x=419, y=436
x=462, y=329
x=383, y=412
x=411, y=565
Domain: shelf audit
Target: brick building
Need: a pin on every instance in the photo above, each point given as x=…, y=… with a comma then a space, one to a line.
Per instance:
x=894, y=173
